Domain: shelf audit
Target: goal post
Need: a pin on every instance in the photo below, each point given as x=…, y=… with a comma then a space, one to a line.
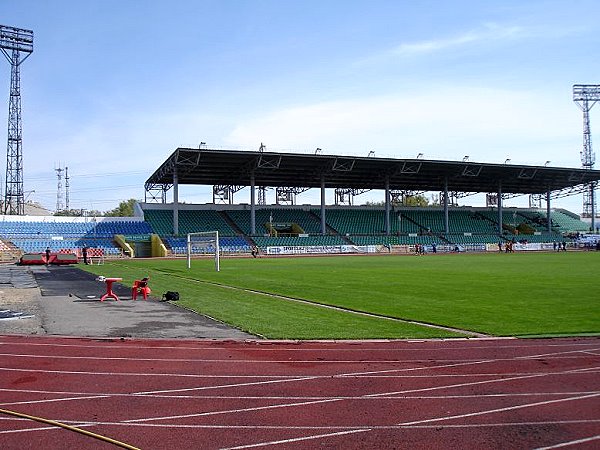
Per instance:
x=204, y=242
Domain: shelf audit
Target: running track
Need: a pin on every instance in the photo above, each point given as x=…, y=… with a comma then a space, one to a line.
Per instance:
x=189, y=394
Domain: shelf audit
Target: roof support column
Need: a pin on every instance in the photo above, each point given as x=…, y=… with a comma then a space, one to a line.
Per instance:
x=446, y=221
x=593, y=205
x=387, y=206
x=549, y=218
x=252, y=204
x=175, y=202
x=500, y=207
x=323, y=223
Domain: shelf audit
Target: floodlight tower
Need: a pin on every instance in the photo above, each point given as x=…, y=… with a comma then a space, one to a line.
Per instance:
x=14, y=42
x=586, y=96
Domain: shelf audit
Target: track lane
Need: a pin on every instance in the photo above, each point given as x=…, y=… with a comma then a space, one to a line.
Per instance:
x=288, y=394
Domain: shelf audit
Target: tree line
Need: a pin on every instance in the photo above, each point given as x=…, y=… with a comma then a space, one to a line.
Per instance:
x=125, y=209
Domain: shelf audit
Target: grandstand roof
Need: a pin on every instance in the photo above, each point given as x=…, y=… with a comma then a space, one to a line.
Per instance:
x=234, y=167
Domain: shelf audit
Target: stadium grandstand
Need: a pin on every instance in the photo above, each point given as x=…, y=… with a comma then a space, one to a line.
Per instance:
x=159, y=228
x=352, y=227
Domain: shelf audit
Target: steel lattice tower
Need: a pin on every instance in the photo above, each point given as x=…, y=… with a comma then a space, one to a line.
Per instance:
x=59, y=197
x=586, y=96
x=67, y=188
x=13, y=42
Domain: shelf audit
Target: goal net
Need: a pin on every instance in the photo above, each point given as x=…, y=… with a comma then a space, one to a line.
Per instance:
x=203, y=243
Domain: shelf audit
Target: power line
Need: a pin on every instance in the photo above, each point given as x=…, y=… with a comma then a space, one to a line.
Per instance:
x=89, y=175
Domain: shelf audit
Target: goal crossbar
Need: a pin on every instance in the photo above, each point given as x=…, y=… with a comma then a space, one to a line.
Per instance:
x=210, y=237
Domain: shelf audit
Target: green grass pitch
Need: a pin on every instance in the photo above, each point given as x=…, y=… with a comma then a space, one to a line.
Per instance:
x=521, y=294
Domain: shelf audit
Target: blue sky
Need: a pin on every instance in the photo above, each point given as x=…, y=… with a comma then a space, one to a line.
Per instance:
x=113, y=87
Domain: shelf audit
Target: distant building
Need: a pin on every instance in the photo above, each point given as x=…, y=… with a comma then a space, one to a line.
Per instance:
x=35, y=209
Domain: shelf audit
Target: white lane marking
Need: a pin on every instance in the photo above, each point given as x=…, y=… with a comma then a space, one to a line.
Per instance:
x=299, y=439
x=282, y=345
x=156, y=374
x=330, y=400
x=336, y=399
x=570, y=443
x=425, y=368
x=556, y=355
x=474, y=383
x=417, y=422
x=315, y=377
x=505, y=409
x=326, y=400
x=309, y=427
x=230, y=411
x=292, y=379
x=553, y=354
x=88, y=395
x=271, y=377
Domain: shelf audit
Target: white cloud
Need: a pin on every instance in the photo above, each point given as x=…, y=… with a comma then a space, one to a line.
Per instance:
x=489, y=32
x=444, y=123
x=484, y=35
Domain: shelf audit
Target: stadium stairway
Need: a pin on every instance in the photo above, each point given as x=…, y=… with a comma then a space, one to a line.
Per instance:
x=330, y=230
x=231, y=223
x=8, y=251
x=412, y=221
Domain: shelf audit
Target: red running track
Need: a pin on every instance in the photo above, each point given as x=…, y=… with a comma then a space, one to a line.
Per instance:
x=159, y=394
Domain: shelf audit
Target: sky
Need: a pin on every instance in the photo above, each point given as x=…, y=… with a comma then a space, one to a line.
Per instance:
x=113, y=87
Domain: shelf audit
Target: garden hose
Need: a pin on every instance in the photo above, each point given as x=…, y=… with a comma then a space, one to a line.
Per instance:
x=70, y=428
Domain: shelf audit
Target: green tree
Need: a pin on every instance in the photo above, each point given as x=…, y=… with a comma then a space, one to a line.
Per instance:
x=125, y=209
x=416, y=200
x=409, y=200
x=69, y=213
x=78, y=213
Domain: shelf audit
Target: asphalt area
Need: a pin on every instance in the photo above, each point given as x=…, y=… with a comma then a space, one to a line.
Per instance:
x=64, y=300
x=105, y=392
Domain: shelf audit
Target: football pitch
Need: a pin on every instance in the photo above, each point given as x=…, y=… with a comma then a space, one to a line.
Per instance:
x=387, y=296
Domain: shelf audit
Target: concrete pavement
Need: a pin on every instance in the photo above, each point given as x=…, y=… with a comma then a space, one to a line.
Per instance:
x=63, y=300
